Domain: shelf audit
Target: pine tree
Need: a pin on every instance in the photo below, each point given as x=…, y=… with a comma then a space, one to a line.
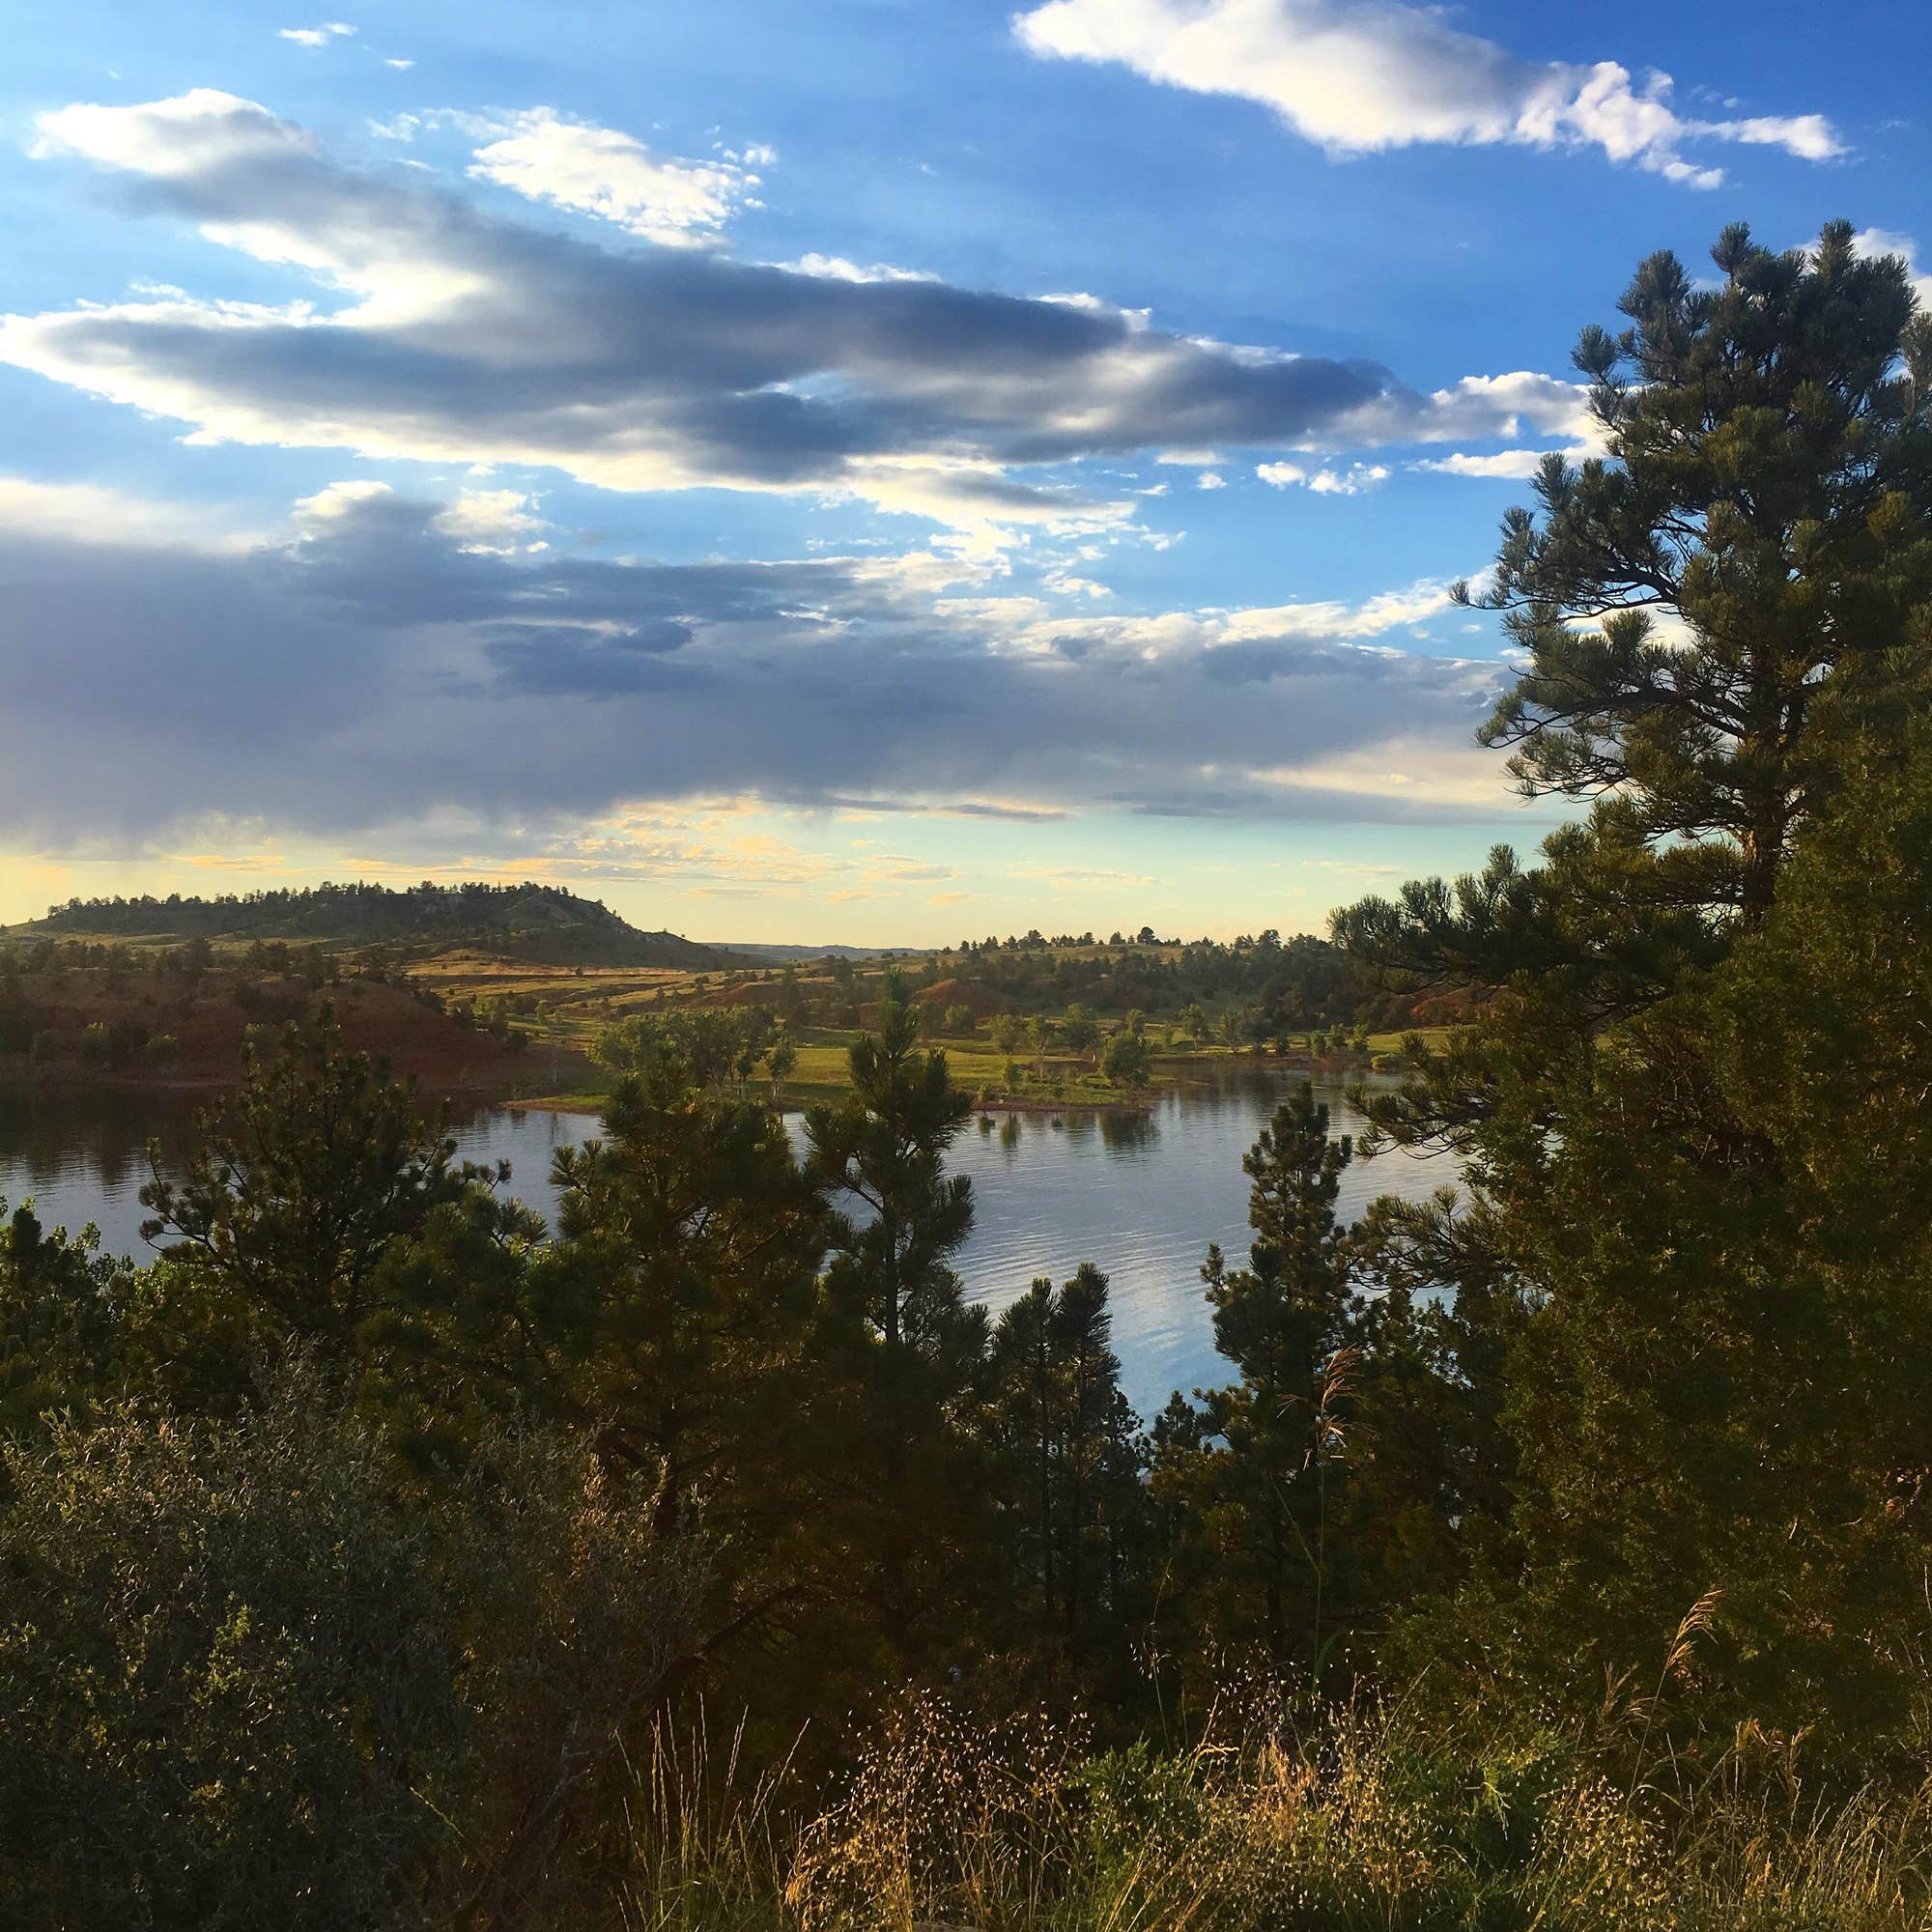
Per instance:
x=1765, y=493
x=1681, y=1321
x=912, y=1347
x=679, y=1318
x=1022, y=1420
x=1257, y=1466
x=702, y=1238
x=1706, y=609
x=1067, y=1463
x=302, y=1183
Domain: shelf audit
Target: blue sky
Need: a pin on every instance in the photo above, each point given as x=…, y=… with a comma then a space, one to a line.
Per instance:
x=871, y=472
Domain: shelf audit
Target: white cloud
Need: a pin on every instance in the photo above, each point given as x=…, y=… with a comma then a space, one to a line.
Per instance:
x=1360, y=76
x=1518, y=465
x=335, y=501
x=1475, y=406
x=89, y=513
x=496, y=522
x=432, y=330
x=1210, y=480
x=1869, y=241
x=193, y=134
x=401, y=65
x=1030, y=627
x=601, y=171
x=1351, y=479
x=838, y=269
x=318, y=36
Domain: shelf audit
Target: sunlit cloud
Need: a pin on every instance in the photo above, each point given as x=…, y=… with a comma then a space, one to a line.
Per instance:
x=318, y=36
x=429, y=329
x=1357, y=77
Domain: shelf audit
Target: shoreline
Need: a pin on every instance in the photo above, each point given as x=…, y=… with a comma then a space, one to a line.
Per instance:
x=1185, y=1071
x=798, y=1101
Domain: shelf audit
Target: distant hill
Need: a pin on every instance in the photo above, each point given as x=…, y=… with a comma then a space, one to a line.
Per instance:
x=542, y=924
x=783, y=955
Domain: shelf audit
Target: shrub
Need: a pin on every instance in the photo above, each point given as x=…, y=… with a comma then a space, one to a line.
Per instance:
x=247, y=1677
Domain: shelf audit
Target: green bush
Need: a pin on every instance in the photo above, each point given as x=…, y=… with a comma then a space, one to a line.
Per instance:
x=248, y=1678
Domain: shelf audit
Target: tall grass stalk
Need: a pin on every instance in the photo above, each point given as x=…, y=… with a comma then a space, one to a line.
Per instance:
x=1285, y=1814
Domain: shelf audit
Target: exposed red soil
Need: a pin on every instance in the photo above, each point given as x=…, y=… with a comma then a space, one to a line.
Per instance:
x=978, y=1000
x=753, y=993
x=210, y=1027
x=1445, y=1008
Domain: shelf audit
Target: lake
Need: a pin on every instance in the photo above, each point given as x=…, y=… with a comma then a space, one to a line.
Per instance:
x=1141, y=1196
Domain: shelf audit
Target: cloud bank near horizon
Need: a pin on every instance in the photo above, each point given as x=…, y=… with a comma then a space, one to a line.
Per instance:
x=387, y=659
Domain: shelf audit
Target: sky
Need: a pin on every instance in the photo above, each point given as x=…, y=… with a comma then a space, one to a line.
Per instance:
x=880, y=471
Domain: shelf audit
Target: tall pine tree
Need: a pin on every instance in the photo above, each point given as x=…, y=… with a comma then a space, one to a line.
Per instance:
x=912, y=1348
x=1684, y=1358
x=1066, y=1444
x=1251, y=1475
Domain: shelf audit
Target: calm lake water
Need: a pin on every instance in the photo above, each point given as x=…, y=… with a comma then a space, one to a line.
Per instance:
x=1141, y=1198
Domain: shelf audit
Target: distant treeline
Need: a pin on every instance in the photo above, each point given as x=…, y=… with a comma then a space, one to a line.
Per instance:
x=1293, y=985
x=534, y=919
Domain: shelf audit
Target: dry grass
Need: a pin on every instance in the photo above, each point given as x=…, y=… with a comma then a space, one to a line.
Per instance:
x=1282, y=1816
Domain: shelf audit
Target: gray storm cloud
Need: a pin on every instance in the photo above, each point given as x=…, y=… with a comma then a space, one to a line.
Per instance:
x=370, y=668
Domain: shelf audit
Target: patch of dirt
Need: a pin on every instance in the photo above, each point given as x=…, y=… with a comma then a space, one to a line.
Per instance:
x=981, y=1001
x=1445, y=1008
x=210, y=1026
x=752, y=994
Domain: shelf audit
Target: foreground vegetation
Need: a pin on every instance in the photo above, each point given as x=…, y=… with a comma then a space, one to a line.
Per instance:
x=1551, y=1554
x=1275, y=1817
